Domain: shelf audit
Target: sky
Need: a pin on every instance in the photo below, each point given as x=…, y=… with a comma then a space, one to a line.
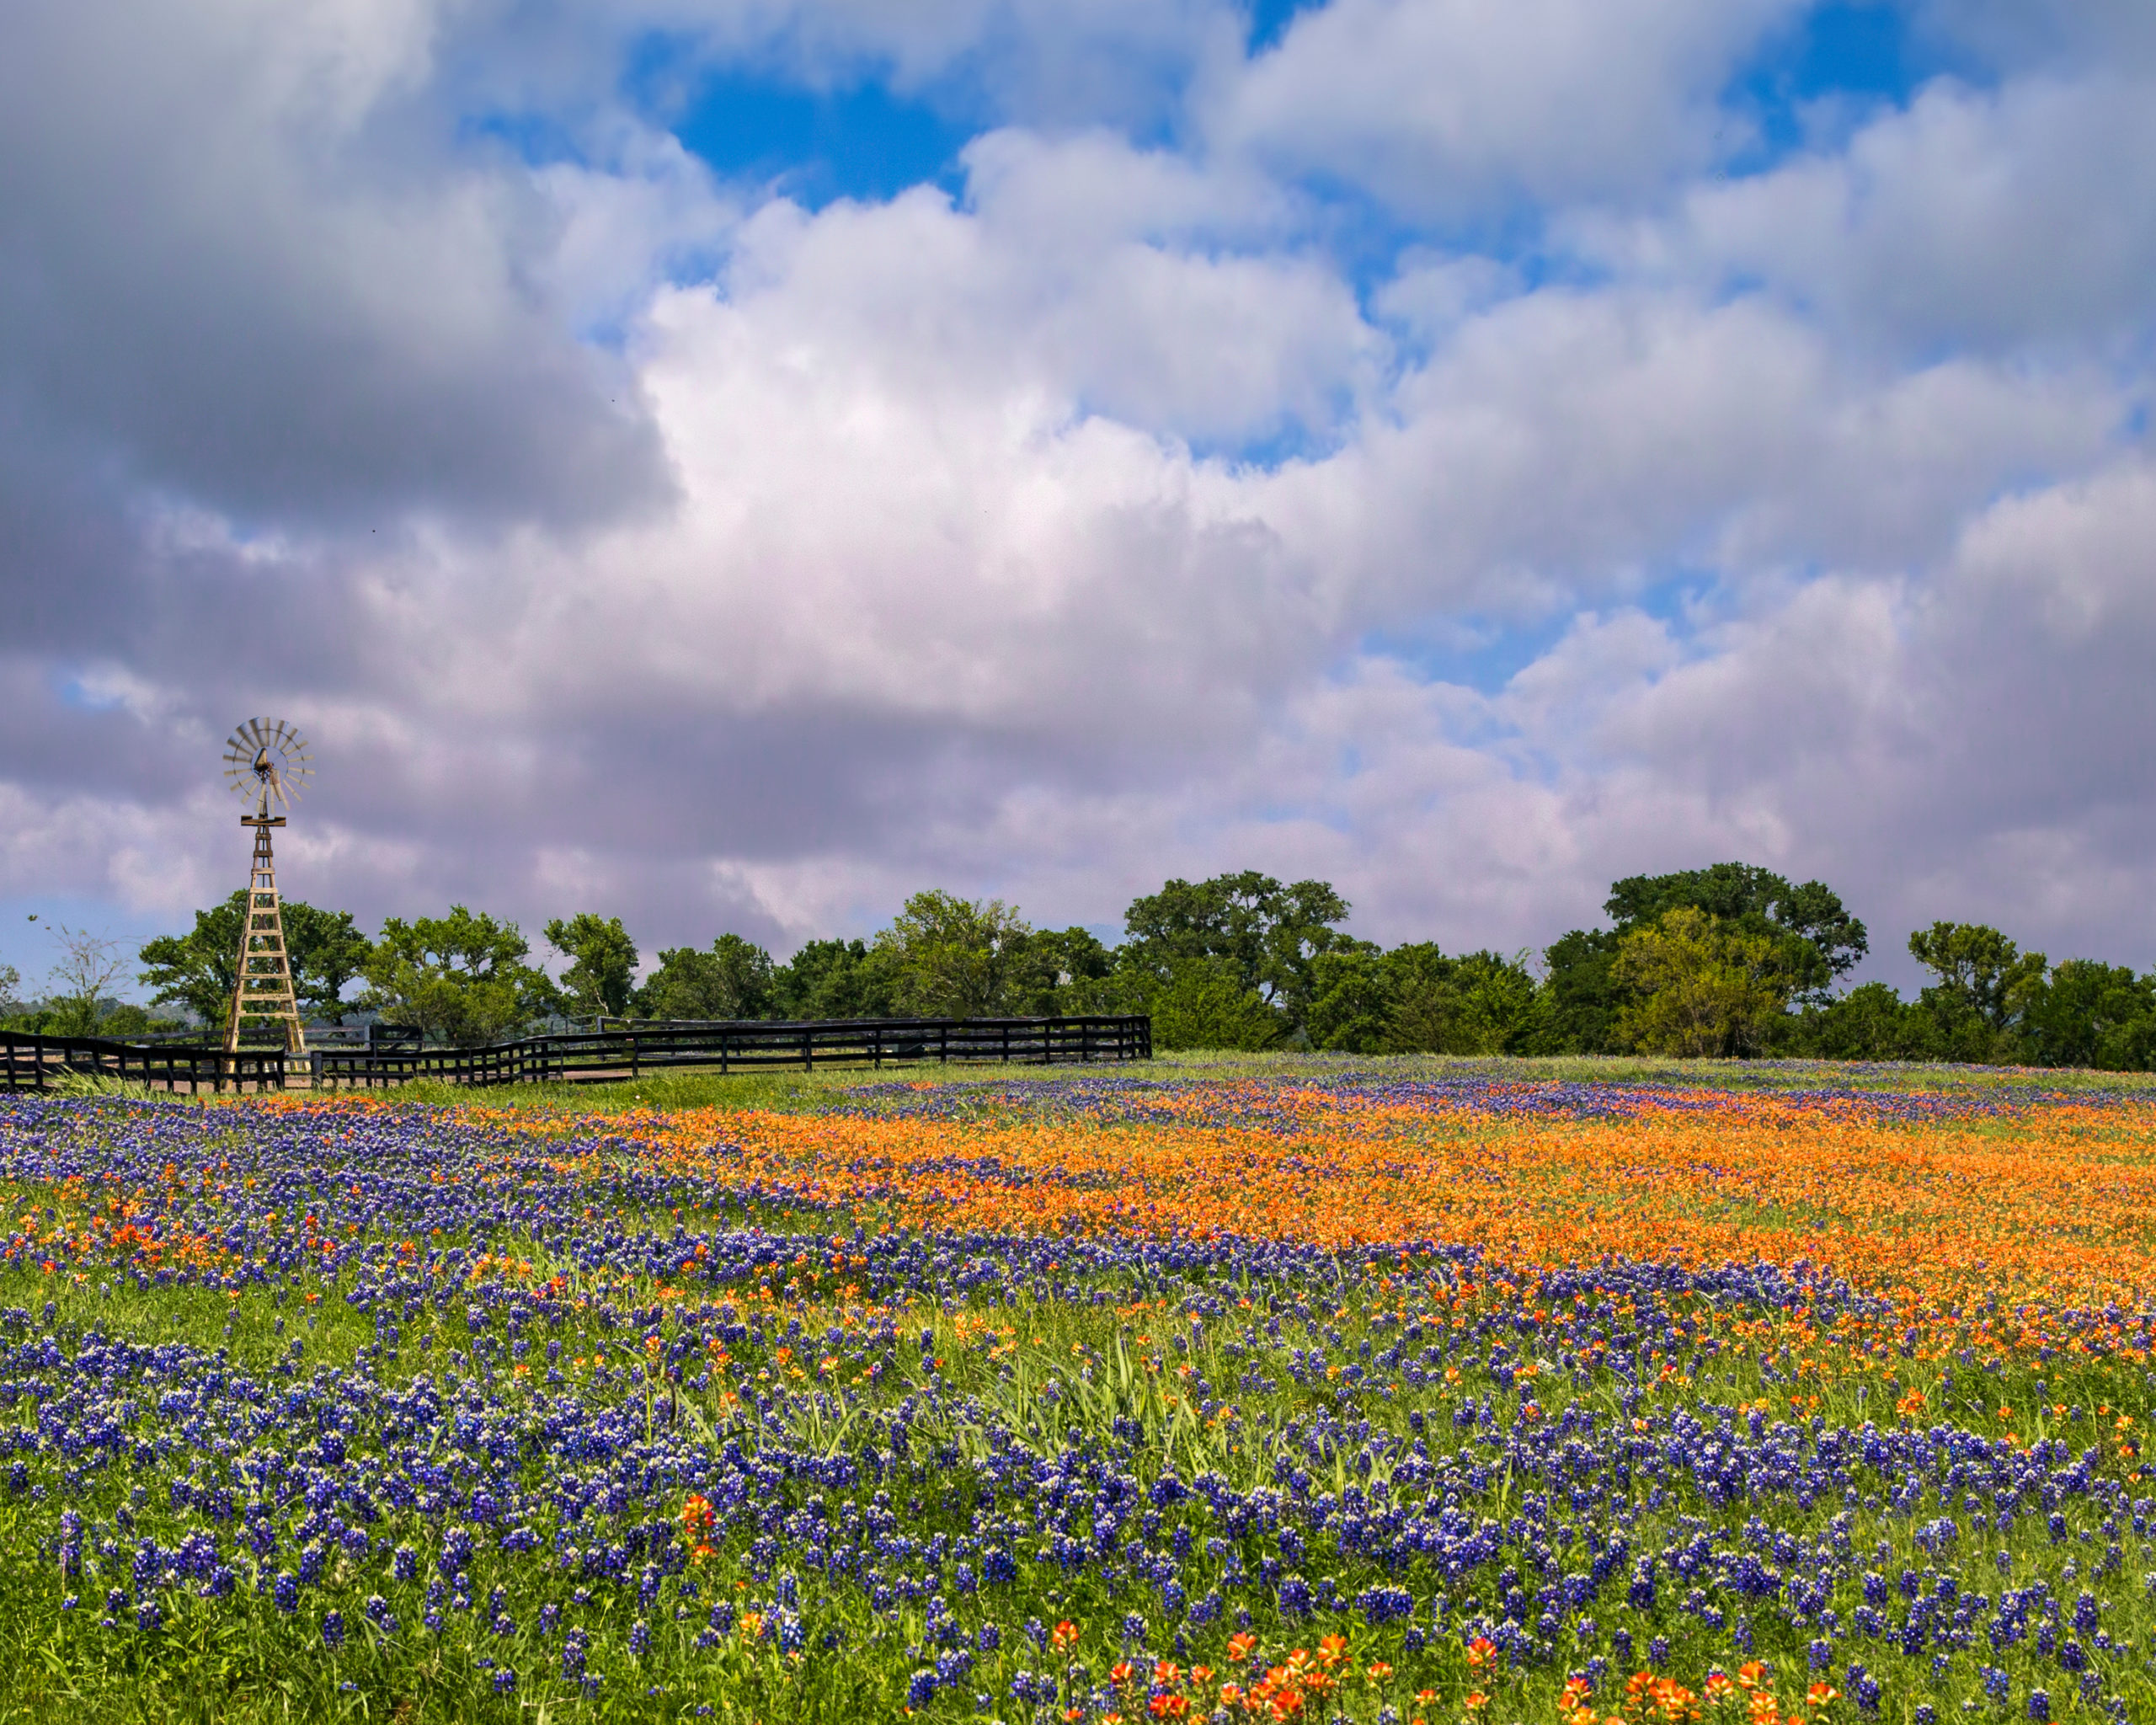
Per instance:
x=732, y=463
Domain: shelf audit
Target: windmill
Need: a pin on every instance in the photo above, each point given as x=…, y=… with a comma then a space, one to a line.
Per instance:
x=270, y=758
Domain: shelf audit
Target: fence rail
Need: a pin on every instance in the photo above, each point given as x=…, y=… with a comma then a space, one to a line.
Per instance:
x=30, y=1062
x=38, y=1062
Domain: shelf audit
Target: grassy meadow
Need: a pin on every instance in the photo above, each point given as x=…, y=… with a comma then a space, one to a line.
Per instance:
x=1226, y=1388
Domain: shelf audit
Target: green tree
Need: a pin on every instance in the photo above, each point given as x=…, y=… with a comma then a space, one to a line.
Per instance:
x=1203, y=1003
x=1477, y=1004
x=954, y=957
x=1269, y=933
x=1581, y=1000
x=602, y=970
x=1983, y=985
x=1816, y=940
x=328, y=954
x=2087, y=1013
x=460, y=977
x=1415, y=999
x=1702, y=986
x=833, y=978
x=1061, y=972
x=1353, y=1000
x=128, y=1019
x=199, y=970
x=1869, y=1022
x=733, y=980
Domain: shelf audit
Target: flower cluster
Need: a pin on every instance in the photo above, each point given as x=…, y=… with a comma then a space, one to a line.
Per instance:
x=971, y=1402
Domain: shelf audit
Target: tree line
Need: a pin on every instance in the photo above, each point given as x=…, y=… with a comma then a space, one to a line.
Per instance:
x=1731, y=960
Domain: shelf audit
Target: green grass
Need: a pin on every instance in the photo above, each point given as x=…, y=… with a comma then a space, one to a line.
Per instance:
x=789, y=1091
x=1035, y=1366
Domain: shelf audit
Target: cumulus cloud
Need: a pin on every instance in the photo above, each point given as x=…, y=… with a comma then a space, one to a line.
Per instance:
x=239, y=264
x=1973, y=220
x=1463, y=109
x=633, y=539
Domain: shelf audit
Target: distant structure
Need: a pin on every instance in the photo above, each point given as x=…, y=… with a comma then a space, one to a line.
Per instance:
x=270, y=758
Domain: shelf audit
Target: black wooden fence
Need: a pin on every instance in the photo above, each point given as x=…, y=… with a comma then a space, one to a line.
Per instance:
x=30, y=1062
x=37, y=1062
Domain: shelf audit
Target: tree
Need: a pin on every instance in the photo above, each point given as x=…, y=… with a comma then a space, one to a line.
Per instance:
x=1270, y=934
x=1477, y=1005
x=1577, y=1008
x=328, y=954
x=460, y=977
x=1060, y=971
x=602, y=968
x=1353, y=1000
x=1985, y=985
x=833, y=978
x=1869, y=1022
x=199, y=970
x=11, y=985
x=1818, y=940
x=127, y=1019
x=732, y=980
x=81, y=979
x=2086, y=1013
x=953, y=958
x=1704, y=987
x=1202, y=1002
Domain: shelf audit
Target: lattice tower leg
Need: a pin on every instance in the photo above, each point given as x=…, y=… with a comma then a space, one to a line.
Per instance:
x=265, y=990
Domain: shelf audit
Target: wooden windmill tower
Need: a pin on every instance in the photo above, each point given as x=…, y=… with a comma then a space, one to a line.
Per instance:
x=270, y=758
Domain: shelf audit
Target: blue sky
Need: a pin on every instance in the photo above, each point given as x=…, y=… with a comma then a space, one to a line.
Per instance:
x=731, y=466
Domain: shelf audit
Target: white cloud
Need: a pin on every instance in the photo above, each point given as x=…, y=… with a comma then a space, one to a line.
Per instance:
x=1457, y=110
x=924, y=541
x=1974, y=219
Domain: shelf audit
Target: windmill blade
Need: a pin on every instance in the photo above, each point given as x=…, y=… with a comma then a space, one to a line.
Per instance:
x=268, y=755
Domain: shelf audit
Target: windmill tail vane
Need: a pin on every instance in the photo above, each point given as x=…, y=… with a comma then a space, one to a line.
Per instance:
x=268, y=758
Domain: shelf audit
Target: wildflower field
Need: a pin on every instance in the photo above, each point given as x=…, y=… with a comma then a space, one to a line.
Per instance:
x=1495, y=1395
